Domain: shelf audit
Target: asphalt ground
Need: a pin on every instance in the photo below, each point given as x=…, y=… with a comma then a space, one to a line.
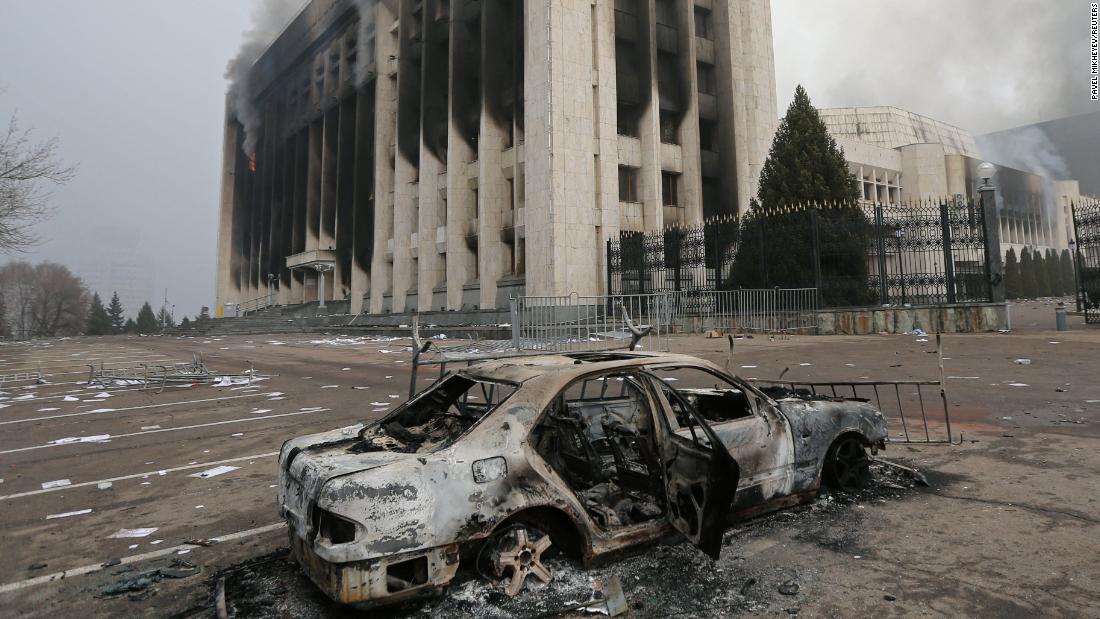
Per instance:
x=1009, y=527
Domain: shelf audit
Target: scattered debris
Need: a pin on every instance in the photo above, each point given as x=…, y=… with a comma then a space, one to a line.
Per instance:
x=214, y=472
x=46, y=485
x=1023, y=362
x=142, y=582
x=789, y=587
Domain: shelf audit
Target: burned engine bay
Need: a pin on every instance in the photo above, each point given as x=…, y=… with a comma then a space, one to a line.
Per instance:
x=436, y=418
x=598, y=435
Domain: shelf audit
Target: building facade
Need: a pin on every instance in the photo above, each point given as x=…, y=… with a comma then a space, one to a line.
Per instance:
x=901, y=157
x=444, y=155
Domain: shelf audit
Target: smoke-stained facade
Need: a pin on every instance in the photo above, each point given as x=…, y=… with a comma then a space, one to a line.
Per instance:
x=448, y=154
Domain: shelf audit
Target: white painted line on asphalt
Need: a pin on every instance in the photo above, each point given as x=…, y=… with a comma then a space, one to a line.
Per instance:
x=156, y=554
x=111, y=480
x=87, y=390
x=152, y=366
x=123, y=356
x=200, y=425
x=100, y=411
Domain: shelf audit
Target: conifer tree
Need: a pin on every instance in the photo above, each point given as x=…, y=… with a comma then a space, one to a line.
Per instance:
x=117, y=314
x=806, y=167
x=1041, y=276
x=1069, y=278
x=147, y=320
x=130, y=326
x=1012, y=275
x=98, y=322
x=1028, y=284
x=1054, y=272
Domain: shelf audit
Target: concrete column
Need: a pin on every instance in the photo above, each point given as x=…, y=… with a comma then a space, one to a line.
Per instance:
x=561, y=244
x=329, y=173
x=691, y=179
x=748, y=114
x=649, y=125
x=226, y=289
x=605, y=164
x=385, y=128
x=465, y=120
x=363, y=216
x=407, y=174
x=433, y=153
x=313, y=186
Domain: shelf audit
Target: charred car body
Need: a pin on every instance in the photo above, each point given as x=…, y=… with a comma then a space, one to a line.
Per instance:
x=594, y=453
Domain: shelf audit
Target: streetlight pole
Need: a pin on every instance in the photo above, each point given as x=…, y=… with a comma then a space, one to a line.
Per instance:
x=995, y=268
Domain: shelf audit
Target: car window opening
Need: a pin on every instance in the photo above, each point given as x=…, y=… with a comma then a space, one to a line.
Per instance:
x=436, y=418
x=713, y=397
x=598, y=435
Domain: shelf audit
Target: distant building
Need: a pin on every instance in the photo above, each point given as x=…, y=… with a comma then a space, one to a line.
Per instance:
x=1072, y=141
x=435, y=154
x=898, y=156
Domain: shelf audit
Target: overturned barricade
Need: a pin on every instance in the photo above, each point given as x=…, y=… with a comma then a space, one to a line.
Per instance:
x=147, y=375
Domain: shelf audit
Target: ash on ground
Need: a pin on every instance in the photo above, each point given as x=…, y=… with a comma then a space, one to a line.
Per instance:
x=660, y=581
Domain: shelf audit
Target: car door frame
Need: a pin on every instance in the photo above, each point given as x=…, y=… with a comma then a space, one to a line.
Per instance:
x=700, y=480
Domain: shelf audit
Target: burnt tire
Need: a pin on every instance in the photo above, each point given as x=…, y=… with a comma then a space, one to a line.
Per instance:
x=847, y=466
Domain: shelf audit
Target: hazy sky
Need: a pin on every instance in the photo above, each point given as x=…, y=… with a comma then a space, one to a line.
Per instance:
x=135, y=91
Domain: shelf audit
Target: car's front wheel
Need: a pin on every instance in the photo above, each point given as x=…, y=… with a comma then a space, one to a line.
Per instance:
x=847, y=466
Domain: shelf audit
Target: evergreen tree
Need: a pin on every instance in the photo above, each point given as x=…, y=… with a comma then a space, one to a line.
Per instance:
x=1054, y=273
x=98, y=322
x=1069, y=278
x=130, y=326
x=805, y=166
x=117, y=314
x=185, y=323
x=1041, y=277
x=147, y=320
x=1029, y=286
x=1012, y=275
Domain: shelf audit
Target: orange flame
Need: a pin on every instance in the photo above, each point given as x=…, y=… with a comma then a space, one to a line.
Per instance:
x=252, y=162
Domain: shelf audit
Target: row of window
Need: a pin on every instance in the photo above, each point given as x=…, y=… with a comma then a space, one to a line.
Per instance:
x=628, y=186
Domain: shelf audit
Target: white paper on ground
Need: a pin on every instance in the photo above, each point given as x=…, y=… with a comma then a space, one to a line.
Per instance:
x=259, y=411
x=150, y=427
x=70, y=398
x=217, y=470
x=67, y=514
x=102, y=394
x=98, y=438
x=330, y=386
x=129, y=533
x=46, y=485
x=380, y=404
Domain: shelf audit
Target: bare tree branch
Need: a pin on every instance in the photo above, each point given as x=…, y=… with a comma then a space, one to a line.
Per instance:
x=28, y=170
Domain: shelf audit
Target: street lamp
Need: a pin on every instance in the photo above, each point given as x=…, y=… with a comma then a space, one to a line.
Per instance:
x=1076, y=274
x=898, y=234
x=985, y=172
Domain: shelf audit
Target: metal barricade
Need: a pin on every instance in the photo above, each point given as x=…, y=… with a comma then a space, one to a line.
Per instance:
x=770, y=311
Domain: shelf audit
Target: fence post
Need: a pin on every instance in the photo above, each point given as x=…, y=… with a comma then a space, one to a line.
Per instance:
x=815, y=240
x=609, y=267
x=948, y=254
x=1076, y=258
x=763, y=252
x=880, y=242
x=994, y=263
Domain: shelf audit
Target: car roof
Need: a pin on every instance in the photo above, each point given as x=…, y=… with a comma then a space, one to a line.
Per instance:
x=567, y=366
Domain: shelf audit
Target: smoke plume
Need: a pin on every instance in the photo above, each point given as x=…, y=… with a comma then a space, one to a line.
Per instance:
x=984, y=65
x=269, y=17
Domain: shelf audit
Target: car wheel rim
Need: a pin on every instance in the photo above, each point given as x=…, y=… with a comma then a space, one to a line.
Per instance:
x=519, y=555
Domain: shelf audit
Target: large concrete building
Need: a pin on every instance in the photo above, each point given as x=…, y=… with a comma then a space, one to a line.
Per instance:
x=900, y=157
x=448, y=154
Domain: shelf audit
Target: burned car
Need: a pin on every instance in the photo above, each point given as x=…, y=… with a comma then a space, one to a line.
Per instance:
x=591, y=453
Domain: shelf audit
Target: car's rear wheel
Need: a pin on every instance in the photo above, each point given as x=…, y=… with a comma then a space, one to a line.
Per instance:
x=847, y=465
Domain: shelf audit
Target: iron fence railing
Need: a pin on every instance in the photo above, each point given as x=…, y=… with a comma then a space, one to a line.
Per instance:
x=1086, y=258
x=927, y=253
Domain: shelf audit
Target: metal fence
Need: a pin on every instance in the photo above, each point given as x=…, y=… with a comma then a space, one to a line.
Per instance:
x=1086, y=259
x=906, y=254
